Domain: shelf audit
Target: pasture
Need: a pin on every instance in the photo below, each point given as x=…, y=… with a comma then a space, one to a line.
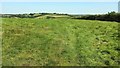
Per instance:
x=59, y=42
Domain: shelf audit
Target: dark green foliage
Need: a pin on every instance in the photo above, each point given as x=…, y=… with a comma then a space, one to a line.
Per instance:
x=105, y=17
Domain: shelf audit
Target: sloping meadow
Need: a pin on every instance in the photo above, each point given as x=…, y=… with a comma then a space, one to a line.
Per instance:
x=59, y=42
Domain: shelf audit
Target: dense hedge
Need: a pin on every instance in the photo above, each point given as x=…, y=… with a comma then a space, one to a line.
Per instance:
x=112, y=16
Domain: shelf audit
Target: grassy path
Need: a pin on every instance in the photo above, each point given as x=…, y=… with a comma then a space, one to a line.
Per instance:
x=59, y=42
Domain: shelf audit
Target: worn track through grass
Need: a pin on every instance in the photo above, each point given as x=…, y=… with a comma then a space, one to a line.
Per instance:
x=59, y=42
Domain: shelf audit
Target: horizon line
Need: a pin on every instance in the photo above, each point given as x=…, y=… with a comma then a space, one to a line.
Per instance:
x=59, y=13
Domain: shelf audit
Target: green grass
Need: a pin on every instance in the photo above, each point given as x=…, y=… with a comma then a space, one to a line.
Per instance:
x=59, y=42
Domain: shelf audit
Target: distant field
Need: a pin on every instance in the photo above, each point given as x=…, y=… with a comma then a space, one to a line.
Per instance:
x=59, y=42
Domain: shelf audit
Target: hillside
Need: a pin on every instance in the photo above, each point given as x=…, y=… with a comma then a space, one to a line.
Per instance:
x=110, y=16
x=36, y=15
x=59, y=42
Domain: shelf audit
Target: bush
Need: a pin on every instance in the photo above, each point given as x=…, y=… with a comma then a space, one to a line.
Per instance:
x=112, y=16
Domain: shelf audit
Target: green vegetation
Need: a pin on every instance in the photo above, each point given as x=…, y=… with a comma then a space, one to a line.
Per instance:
x=111, y=16
x=35, y=15
x=59, y=42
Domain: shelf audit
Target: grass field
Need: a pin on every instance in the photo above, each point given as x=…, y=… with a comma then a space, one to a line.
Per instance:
x=59, y=42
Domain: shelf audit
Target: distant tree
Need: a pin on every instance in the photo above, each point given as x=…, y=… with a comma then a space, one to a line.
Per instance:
x=111, y=16
x=31, y=14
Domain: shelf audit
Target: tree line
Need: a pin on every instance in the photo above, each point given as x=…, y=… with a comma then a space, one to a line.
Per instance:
x=110, y=16
x=31, y=15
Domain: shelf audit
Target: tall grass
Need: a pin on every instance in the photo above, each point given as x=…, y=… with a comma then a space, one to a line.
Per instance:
x=59, y=42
